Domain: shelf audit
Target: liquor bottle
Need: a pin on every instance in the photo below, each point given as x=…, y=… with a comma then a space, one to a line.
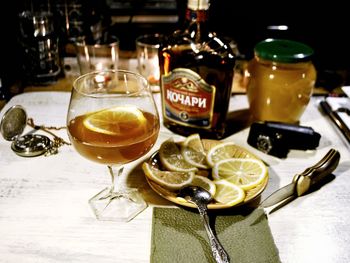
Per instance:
x=196, y=69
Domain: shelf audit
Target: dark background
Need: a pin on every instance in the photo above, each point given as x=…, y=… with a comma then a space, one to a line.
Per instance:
x=323, y=25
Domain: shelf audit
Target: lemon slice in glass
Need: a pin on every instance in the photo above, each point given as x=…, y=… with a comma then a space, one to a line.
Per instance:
x=193, y=151
x=172, y=159
x=116, y=121
x=205, y=183
x=247, y=173
x=167, y=179
x=228, y=193
x=225, y=150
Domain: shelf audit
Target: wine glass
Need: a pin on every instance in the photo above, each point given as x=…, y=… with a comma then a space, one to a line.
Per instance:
x=113, y=120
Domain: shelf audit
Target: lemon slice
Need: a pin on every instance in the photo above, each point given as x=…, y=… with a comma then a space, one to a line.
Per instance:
x=193, y=151
x=117, y=120
x=209, y=143
x=167, y=179
x=225, y=150
x=247, y=173
x=205, y=183
x=172, y=159
x=228, y=193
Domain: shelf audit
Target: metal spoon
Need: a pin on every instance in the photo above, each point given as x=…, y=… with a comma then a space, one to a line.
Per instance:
x=200, y=197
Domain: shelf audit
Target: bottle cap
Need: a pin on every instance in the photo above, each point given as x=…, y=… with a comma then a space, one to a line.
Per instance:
x=283, y=50
x=198, y=4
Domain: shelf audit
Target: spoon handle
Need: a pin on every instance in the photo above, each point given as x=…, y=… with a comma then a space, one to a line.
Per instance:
x=219, y=253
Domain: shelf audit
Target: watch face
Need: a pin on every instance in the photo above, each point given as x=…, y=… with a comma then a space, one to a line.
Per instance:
x=263, y=143
x=31, y=145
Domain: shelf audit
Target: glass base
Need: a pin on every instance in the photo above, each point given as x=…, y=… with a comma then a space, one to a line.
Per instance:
x=117, y=206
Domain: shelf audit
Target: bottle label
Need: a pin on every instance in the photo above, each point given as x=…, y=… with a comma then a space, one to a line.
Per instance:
x=187, y=99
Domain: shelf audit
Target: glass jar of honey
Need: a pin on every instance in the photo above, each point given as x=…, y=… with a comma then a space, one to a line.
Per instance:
x=280, y=80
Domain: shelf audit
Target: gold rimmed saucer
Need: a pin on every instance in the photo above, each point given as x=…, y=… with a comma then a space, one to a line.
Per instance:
x=172, y=195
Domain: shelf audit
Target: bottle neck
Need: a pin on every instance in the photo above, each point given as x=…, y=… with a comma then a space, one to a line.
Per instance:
x=198, y=4
x=196, y=23
x=197, y=15
x=197, y=10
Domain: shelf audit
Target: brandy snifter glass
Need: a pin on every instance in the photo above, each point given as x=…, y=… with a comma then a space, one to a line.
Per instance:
x=113, y=120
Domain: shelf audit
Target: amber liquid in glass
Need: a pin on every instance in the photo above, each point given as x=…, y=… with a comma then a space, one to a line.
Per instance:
x=128, y=145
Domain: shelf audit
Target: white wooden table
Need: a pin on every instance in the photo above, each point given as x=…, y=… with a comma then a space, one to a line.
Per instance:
x=45, y=217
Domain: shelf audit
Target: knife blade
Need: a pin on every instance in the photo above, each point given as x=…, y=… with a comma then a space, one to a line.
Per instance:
x=302, y=182
x=279, y=195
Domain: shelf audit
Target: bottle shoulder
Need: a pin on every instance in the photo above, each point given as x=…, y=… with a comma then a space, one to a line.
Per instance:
x=183, y=43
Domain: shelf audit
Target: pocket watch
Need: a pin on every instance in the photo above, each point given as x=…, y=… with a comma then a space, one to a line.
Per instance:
x=12, y=126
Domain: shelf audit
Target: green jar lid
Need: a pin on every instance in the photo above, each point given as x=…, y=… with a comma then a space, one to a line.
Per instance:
x=283, y=50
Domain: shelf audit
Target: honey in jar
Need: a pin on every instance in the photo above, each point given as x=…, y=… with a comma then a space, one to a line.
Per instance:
x=280, y=80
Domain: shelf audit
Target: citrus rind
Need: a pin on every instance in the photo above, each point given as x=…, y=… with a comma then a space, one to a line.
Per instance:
x=225, y=150
x=205, y=183
x=167, y=179
x=247, y=173
x=193, y=151
x=110, y=121
x=228, y=193
x=172, y=159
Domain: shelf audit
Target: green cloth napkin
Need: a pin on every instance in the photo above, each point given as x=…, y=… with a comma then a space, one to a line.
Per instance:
x=178, y=235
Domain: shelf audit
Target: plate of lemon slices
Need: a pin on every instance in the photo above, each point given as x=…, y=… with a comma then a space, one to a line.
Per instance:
x=233, y=175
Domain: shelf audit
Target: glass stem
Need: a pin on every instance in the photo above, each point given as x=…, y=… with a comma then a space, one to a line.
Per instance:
x=115, y=187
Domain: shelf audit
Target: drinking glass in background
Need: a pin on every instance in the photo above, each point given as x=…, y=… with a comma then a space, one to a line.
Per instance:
x=113, y=120
x=97, y=56
x=39, y=47
x=147, y=47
